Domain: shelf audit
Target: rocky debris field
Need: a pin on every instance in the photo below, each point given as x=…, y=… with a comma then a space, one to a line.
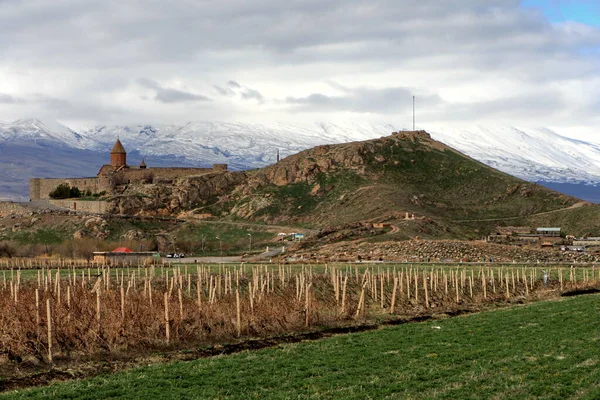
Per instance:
x=436, y=251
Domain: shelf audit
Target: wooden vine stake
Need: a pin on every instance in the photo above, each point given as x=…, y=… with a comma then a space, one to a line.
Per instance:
x=361, y=300
x=167, y=326
x=484, y=285
x=37, y=310
x=560, y=278
x=180, y=297
x=343, y=308
x=98, y=309
x=426, y=292
x=393, y=302
x=307, y=304
x=122, y=303
x=238, y=312
x=49, y=323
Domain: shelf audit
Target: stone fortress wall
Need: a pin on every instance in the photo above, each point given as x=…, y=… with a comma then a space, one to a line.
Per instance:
x=40, y=188
x=9, y=207
x=86, y=206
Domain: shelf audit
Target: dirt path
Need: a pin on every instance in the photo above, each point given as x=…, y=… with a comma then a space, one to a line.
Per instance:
x=250, y=224
x=574, y=206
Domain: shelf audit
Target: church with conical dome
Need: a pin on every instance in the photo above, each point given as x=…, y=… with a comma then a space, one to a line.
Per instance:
x=115, y=176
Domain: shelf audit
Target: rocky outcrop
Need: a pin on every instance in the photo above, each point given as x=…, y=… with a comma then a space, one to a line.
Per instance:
x=171, y=199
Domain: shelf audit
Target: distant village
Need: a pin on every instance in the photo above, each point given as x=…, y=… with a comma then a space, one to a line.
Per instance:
x=551, y=238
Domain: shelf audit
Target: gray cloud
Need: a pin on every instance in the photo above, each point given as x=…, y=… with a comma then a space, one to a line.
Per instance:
x=234, y=89
x=465, y=60
x=363, y=100
x=8, y=99
x=170, y=95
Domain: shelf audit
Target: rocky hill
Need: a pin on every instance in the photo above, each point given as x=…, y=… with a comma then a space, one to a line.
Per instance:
x=537, y=155
x=443, y=192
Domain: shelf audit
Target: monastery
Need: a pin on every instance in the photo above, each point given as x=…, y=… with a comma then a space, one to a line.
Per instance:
x=115, y=174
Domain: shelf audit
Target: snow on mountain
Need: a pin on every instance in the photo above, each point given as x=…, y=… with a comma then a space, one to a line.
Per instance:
x=531, y=154
x=34, y=130
x=239, y=144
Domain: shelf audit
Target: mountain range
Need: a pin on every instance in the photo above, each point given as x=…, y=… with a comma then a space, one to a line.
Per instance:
x=37, y=148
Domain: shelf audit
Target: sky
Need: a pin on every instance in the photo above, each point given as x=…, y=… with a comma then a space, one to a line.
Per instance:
x=528, y=63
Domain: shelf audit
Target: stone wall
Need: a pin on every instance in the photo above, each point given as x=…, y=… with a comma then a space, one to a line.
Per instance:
x=97, y=207
x=9, y=207
x=40, y=188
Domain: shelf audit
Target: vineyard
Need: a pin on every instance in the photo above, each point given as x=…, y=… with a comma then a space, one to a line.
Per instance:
x=70, y=311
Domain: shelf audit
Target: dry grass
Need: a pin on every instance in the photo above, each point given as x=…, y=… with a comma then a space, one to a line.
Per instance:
x=146, y=309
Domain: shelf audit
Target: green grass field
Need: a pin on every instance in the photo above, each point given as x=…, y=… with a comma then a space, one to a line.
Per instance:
x=544, y=350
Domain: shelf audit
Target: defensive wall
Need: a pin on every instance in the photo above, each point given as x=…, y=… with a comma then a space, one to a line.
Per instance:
x=9, y=207
x=40, y=188
x=90, y=206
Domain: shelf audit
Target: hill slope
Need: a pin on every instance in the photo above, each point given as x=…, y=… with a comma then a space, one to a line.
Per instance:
x=539, y=155
x=450, y=194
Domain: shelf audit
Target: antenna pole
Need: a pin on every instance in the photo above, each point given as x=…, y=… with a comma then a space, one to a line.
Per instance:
x=413, y=113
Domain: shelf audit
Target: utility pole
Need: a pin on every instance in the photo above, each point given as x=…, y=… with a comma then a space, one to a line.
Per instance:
x=220, y=245
x=413, y=113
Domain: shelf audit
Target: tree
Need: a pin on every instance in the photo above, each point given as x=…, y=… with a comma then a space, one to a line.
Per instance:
x=65, y=191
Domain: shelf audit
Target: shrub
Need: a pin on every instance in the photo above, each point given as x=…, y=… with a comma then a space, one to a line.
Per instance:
x=65, y=191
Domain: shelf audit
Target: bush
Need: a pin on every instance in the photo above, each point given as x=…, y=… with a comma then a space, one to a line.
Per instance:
x=7, y=250
x=65, y=191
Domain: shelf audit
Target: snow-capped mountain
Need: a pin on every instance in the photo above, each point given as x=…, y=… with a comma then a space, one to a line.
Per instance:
x=239, y=144
x=532, y=154
x=33, y=130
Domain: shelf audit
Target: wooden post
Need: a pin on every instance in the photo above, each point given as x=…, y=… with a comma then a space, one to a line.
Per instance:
x=426, y=292
x=122, y=303
x=167, y=325
x=98, y=307
x=361, y=300
x=180, y=297
x=307, y=304
x=560, y=278
x=393, y=302
x=49, y=323
x=343, y=309
x=416, y=287
x=251, y=294
x=238, y=312
x=381, y=292
x=37, y=309
x=471, y=285
x=484, y=285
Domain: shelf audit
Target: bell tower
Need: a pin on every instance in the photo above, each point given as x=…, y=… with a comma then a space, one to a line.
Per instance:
x=118, y=155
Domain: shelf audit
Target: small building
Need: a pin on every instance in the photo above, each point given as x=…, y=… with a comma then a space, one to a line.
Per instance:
x=548, y=232
x=125, y=256
x=381, y=225
x=577, y=249
x=590, y=241
x=296, y=236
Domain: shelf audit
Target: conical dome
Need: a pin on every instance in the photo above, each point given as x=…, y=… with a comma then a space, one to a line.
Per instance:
x=118, y=155
x=118, y=148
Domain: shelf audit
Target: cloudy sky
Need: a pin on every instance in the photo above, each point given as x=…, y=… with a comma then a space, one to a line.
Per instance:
x=81, y=62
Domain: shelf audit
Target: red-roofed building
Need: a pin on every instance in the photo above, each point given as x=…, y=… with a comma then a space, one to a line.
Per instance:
x=123, y=256
x=122, y=250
